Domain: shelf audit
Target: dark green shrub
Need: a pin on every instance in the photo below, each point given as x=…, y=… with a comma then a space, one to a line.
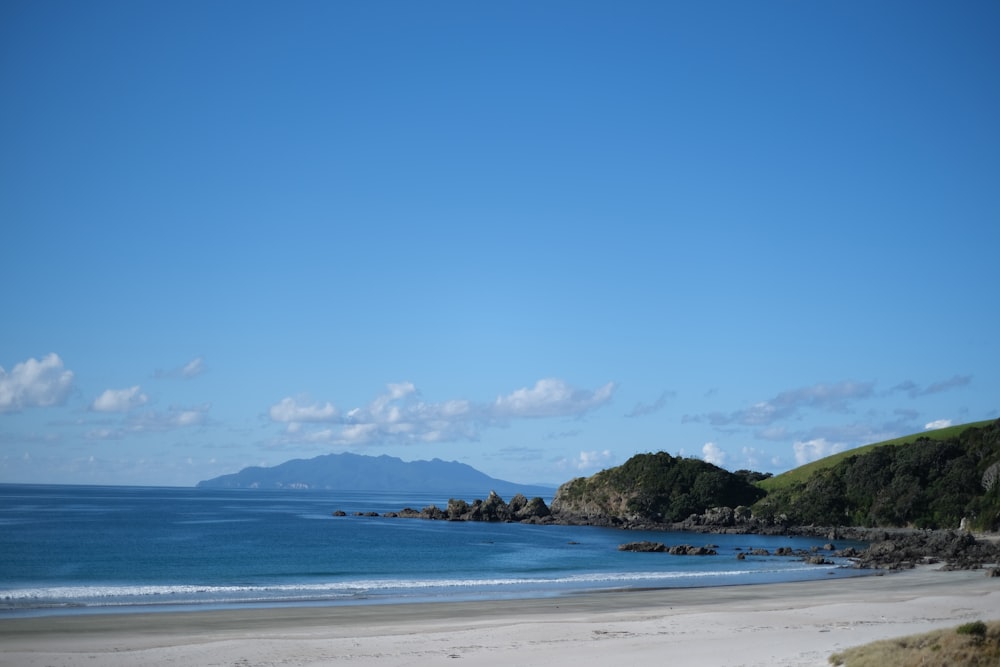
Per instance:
x=976, y=629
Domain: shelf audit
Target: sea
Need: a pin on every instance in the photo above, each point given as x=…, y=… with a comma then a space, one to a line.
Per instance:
x=93, y=549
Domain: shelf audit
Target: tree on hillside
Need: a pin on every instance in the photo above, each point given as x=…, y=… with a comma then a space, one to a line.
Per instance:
x=926, y=483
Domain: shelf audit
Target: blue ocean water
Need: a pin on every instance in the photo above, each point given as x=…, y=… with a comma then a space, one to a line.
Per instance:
x=71, y=549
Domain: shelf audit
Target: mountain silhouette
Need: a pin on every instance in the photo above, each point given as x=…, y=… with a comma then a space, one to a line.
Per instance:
x=355, y=472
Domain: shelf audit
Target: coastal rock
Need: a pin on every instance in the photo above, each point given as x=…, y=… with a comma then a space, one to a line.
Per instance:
x=433, y=512
x=719, y=516
x=517, y=504
x=688, y=550
x=492, y=509
x=739, y=521
x=457, y=509
x=903, y=549
x=523, y=509
x=676, y=550
x=896, y=548
x=889, y=548
x=495, y=509
x=644, y=547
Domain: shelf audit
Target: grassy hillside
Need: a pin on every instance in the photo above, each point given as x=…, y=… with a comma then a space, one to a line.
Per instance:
x=936, y=479
x=803, y=473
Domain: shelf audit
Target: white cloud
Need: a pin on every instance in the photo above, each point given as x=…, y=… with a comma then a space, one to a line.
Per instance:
x=104, y=434
x=589, y=462
x=384, y=407
x=551, y=398
x=813, y=450
x=752, y=457
x=398, y=390
x=642, y=410
x=773, y=433
x=937, y=423
x=153, y=422
x=358, y=433
x=34, y=383
x=558, y=435
x=711, y=453
x=193, y=368
x=829, y=397
x=586, y=463
x=322, y=436
x=172, y=419
x=182, y=418
x=396, y=415
x=119, y=400
x=914, y=390
x=289, y=410
x=399, y=415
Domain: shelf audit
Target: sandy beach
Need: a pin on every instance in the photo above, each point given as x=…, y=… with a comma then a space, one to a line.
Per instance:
x=774, y=624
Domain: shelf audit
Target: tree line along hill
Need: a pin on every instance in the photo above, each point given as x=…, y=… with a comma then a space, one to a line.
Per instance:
x=935, y=479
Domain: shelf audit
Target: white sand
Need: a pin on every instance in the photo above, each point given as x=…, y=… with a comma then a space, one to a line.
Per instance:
x=777, y=624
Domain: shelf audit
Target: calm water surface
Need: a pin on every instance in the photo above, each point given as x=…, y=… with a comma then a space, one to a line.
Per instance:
x=72, y=549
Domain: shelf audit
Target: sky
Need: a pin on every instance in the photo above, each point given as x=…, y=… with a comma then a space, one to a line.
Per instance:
x=534, y=237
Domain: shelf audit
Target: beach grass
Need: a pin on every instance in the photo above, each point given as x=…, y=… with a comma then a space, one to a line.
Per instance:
x=975, y=644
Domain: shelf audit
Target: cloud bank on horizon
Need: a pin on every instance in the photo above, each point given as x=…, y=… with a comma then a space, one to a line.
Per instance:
x=534, y=238
x=399, y=417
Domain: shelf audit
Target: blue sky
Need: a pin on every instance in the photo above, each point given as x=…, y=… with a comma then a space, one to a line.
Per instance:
x=537, y=238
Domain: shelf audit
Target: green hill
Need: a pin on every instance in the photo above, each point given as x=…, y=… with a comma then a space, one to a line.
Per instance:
x=936, y=479
x=928, y=480
x=802, y=473
x=652, y=489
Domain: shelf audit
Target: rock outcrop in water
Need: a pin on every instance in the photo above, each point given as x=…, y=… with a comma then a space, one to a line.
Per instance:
x=646, y=546
x=492, y=509
x=890, y=549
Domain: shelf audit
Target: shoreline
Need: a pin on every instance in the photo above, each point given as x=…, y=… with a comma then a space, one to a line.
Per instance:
x=829, y=572
x=795, y=623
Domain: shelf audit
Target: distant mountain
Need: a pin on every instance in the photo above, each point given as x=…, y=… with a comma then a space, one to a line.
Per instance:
x=354, y=472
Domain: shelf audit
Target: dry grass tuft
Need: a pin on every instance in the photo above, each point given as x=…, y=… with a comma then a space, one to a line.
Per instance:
x=970, y=645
